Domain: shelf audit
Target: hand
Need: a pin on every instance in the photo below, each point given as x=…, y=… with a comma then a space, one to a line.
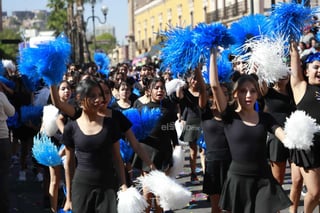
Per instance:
x=123, y=187
x=67, y=205
x=153, y=167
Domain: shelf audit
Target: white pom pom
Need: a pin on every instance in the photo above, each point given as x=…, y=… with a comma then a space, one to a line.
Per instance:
x=178, y=162
x=171, y=194
x=173, y=85
x=299, y=129
x=266, y=58
x=179, y=127
x=131, y=201
x=50, y=114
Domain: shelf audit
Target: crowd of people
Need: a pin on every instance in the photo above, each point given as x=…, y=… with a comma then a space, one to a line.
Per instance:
x=244, y=160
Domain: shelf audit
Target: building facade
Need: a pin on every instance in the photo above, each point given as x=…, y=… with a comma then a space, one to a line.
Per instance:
x=147, y=18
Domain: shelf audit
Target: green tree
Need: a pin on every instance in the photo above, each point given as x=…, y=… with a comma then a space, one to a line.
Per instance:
x=105, y=42
x=58, y=15
x=9, y=51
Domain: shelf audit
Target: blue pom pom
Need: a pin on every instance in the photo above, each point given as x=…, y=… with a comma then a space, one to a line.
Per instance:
x=13, y=121
x=126, y=151
x=44, y=151
x=103, y=62
x=179, y=52
x=31, y=84
x=7, y=82
x=149, y=119
x=136, y=92
x=207, y=36
x=134, y=116
x=31, y=114
x=27, y=64
x=288, y=19
x=2, y=70
x=246, y=28
x=54, y=58
x=201, y=143
x=225, y=68
x=112, y=101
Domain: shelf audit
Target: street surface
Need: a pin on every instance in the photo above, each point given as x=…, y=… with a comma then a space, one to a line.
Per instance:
x=28, y=196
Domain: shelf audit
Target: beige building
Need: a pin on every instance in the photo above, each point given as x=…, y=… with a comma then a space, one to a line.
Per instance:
x=149, y=17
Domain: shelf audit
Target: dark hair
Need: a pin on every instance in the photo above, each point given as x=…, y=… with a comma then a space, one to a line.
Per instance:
x=155, y=80
x=252, y=78
x=85, y=86
x=64, y=81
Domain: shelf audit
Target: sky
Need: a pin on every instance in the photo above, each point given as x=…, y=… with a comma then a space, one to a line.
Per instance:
x=117, y=14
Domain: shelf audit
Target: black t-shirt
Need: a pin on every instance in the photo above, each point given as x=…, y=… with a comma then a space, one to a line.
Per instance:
x=279, y=105
x=248, y=143
x=93, y=152
x=213, y=132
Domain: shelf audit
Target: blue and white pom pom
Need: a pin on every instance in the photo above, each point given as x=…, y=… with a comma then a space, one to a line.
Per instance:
x=50, y=114
x=171, y=194
x=289, y=19
x=131, y=201
x=300, y=129
x=266, y=58
x=44, y=151
x=246, y=28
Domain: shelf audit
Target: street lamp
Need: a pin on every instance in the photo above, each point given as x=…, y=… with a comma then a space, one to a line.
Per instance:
x=104, y=10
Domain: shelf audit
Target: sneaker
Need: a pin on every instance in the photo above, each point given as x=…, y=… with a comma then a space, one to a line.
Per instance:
x=304, y=190
x=22, y=176
x=194, y=179
x=39, y=177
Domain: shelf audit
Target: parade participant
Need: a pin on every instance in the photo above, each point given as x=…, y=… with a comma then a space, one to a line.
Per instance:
x=95, y=142
x=159, y=144
x=189, y=98
x=279, y=103
x=250, y=186
x=305, y=86
x=217, y=151
x=64, y=91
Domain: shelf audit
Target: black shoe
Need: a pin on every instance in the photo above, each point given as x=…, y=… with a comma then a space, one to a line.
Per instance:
x=194, y=179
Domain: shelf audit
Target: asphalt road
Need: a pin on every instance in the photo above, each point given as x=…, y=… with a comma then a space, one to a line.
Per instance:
x=28, y=196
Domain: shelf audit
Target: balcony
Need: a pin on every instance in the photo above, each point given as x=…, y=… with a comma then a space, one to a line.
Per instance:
x=228, y=13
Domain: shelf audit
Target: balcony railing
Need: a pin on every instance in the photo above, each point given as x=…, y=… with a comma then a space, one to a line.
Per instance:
x=229, y=12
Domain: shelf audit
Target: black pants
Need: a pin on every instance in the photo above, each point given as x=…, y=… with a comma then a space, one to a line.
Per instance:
x=5, y=153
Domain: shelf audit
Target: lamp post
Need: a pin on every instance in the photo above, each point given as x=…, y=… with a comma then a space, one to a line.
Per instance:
x=104, y=11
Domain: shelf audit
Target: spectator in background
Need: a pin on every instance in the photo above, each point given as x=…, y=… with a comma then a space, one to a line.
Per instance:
x=6, y=110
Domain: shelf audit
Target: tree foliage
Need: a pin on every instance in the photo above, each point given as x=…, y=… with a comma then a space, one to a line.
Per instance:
x=58, y=15
x=9, y=51
x=105, y=42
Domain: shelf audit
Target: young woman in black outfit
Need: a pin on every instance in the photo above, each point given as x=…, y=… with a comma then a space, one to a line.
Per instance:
x=159, y=144
x=250, y=186
x=305, y=86
x=218, y=157
x=94, y=140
